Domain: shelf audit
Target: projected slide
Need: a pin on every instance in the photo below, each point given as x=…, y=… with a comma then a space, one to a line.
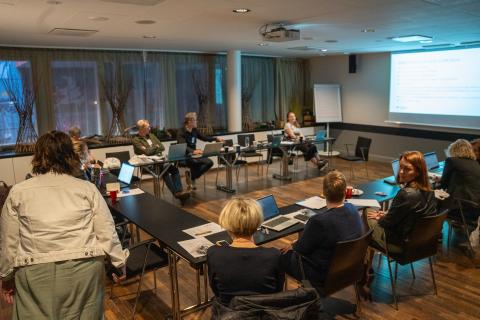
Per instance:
x=443, y=83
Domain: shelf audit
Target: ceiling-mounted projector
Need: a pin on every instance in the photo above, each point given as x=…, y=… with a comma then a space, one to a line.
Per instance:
x=281, y=34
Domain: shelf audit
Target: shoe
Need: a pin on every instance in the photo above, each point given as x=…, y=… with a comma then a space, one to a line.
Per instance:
x=322, y=165
x=182, y=196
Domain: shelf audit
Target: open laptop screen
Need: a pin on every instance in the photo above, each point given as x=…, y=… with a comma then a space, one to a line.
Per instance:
x=395, y=168
x=431, y=160
x=126, y=173
x=269, y=207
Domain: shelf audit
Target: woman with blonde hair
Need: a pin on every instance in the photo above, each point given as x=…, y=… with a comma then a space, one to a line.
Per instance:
x=242, y=268
x=461, y=177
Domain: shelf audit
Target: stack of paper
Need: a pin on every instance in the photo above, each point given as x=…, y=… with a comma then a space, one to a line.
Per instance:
x=313, y=203
x=370, y=203
x=204, y=230
x=196, y=247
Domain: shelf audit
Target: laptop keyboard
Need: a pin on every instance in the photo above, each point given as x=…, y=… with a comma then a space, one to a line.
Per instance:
x=275, y=222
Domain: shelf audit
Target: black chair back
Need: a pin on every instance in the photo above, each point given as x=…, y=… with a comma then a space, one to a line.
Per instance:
x=241, y=139
x=123, y=156
x=422, y=241
x=363, y=147
x=347, y=266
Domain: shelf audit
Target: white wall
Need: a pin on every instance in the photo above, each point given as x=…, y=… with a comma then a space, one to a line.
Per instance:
x=365, y=99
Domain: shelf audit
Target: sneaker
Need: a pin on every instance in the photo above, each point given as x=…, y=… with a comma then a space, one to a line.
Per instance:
x=322, y=165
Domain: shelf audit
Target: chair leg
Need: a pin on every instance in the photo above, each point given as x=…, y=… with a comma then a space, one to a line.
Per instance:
x=393, y=284
x=357, y=297
x=413, y=271
x=449, y=235
x=140, y=282
x=379, y=261
x=155, y=280
x=111, y=290
x=396, y=271
x=433, y=275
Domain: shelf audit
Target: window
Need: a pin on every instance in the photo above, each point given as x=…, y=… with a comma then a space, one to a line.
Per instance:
x=15, y=75
x=75, y=92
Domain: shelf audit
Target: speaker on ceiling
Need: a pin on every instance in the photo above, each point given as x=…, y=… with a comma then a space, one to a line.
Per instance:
x=352, y=63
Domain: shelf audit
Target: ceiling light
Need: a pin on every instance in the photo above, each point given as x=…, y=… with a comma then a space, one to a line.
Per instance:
x=411, y=38
x=263, y=44
x=54, y=2
x=149, y=36
x=425, y=41
x=241, y=10
x=145, y=21
x=324, y=50
x=368, y=30
x=98, y=19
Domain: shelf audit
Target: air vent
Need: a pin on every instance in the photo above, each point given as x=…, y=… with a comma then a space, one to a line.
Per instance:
x=433, y=46
x=72, y=32
x=137, y=2
x=304, y=48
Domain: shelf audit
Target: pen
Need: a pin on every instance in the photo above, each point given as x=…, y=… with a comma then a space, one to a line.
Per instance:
x=202, y=233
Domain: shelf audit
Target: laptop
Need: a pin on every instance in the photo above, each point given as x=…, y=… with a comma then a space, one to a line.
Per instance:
x=395, y=169
x=177, y=151
x=212, y=149
x=431, y=160
x=125, y=176
x=271, y=215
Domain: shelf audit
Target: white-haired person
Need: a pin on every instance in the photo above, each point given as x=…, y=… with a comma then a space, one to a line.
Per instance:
x=148, y=144
x=242, y=268
x=461, y=178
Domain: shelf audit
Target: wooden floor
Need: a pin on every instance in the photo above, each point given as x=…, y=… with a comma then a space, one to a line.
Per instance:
x=458, y=281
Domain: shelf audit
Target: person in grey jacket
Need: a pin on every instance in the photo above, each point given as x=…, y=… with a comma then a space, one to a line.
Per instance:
x=55, y=230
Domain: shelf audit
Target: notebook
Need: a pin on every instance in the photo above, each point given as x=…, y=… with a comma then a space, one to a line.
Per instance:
x=271, y=215
x=125, y=175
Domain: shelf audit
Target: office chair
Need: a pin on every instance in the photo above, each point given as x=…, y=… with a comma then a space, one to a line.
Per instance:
x=362, y=149
x=462, y=223
x=241, y=138
x=422, y=242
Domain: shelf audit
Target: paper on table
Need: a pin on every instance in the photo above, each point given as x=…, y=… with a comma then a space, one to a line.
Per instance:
x=196, y=247
x=203, y=230
x=313, y=203
x=371, y=203
x=131, y=192
x=286, y=143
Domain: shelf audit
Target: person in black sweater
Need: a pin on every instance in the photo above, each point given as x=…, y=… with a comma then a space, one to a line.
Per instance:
x=476, y=148
x=413, y=201
x=242, y=268
x=461, y=179
x=338, y=222
x=189, y=134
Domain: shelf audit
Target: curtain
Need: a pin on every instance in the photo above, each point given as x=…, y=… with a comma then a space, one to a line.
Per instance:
x=258, y=81
x=290, y=87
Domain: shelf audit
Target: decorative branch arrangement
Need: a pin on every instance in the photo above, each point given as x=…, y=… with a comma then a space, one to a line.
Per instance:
x=21, y=93
x=201, y=89
x=116, y=89
x=247, y=92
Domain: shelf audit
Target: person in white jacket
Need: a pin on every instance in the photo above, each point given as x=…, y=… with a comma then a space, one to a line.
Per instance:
x=55, y=230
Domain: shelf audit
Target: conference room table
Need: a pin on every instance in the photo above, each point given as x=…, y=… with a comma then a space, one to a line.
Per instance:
x=165, y=222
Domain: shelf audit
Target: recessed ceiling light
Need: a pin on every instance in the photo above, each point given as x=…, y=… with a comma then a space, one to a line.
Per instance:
x=425, y=41
x=54, y=2
x=263, y=44
x=331, y=41
x=411, y=38
x=149, y=36
x=99, y=19
x=324, y=50
x=145, y=21
x=368, y=30
x=241, y=10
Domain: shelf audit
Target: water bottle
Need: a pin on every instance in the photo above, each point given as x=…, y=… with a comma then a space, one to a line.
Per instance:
x=247, y=141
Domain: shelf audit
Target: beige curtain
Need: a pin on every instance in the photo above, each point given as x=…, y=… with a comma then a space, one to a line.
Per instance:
x=289, y=87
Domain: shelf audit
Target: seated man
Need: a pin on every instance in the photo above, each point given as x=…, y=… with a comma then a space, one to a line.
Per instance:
x=189, y=134
x=338, y=222
x=148, y=144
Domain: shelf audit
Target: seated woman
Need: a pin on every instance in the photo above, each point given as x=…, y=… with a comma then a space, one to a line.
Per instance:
x=338, y=222
x=461, y=178
x=476, y=148
x=242, y=268
x=414, y=200
x=293, y=132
